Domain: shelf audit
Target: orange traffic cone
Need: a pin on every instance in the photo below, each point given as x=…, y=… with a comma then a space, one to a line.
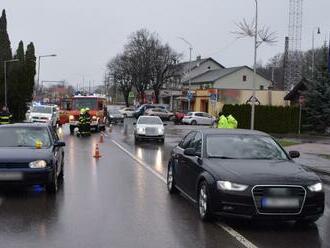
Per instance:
x=101, y=139
x=97, y=154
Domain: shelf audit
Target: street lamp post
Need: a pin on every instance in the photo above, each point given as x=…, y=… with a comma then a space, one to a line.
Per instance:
x=189, y=71
x=5, y=74
x=254, y=67
x=313, y=49
x=39, y=58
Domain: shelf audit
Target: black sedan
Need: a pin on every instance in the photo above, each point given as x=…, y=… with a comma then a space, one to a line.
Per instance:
x=31, y=154
x=243, y=173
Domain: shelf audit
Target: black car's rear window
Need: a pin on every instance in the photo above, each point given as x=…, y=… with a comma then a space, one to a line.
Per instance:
x=244, y=147
x=24, y=137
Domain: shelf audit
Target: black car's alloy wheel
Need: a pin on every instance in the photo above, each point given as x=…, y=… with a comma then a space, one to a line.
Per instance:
x=203, y=206
x=170, y=180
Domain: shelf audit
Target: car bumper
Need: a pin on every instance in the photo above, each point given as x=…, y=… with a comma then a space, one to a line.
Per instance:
x=143, y=136
x=242, y=205
x=186, y=121
x=25, y=176
x=41, y=121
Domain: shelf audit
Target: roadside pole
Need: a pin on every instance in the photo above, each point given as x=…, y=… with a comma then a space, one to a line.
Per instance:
x=301, y=102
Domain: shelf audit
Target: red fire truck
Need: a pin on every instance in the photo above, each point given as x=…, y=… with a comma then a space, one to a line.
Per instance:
x=70, y=111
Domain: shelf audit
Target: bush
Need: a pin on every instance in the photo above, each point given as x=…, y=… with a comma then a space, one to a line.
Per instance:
x=270, y=119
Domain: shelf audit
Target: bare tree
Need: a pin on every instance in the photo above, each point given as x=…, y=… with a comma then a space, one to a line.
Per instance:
x=163, y=67
x=145, y=64
x=120, y=72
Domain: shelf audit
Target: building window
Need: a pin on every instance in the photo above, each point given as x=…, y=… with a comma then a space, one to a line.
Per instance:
x=244, y=78
x=261, y=87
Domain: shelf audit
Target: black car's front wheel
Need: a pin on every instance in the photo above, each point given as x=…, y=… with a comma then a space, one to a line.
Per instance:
x=203, y=202
x=170, y=180
x=52, y=186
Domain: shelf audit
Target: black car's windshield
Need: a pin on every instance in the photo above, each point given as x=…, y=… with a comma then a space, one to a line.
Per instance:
x=150, y=120
x=24, y=137
x=41, y=109
x=244, y=147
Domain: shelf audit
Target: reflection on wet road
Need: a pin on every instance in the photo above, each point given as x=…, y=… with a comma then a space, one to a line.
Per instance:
x=115, y=202
x=112, y=202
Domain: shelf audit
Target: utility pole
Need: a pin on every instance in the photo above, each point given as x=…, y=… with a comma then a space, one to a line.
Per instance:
x=38, y=76
x=254, y=68
x=313, y=49
x=189, y=72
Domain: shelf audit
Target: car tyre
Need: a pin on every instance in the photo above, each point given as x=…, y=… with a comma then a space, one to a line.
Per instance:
x=170, y=180
x=162, y=141
x=61, y=175
x=194, y=123
x=136, y=140
x=52, y=186
x=203, y=202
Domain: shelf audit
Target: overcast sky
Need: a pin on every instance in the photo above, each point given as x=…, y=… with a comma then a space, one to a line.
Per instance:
x=86, y=34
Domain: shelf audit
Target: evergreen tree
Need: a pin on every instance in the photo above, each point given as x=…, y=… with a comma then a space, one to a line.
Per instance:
x=17, y=85
x=5, y=52
x=318, y=96
x=30, y=71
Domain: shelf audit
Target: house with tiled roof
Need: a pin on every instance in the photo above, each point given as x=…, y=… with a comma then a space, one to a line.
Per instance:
x=239, y=78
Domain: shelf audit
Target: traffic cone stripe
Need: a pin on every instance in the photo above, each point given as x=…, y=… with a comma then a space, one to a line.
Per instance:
x=97, y=154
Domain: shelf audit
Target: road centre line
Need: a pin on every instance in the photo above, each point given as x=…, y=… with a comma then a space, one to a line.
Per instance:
x=240, y=238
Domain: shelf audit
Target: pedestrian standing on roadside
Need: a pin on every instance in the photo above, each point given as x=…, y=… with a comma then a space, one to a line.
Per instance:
x=5, y=116
x=223, y=122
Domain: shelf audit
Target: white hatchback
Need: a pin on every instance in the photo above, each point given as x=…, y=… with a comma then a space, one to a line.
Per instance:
x=198, y=118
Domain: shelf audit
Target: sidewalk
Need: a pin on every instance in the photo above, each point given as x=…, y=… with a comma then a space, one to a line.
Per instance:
x=310, y=156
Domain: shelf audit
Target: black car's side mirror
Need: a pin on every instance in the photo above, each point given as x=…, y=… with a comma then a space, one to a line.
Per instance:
x=59, y=144
x=189, y=152
x=294, y=154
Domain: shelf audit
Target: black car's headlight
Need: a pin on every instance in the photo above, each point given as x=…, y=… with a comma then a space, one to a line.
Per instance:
x=38, y=164
x=229, y=186
x=317, y=187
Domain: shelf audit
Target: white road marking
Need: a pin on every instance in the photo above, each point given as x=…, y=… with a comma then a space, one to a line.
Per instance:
x=240, y=238
x=236, y=235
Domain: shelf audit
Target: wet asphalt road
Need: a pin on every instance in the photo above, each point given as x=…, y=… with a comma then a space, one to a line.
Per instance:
x=116, y=202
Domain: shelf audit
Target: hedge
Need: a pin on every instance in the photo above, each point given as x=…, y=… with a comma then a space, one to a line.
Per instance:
x=270, y=119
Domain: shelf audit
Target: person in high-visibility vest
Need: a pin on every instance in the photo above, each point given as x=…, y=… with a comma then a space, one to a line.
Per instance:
x=223, y=122
x=5, y=116
x=232, y=122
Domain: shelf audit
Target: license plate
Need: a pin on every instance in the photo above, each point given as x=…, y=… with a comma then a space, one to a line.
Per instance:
x=11, y=176
x=280, y=203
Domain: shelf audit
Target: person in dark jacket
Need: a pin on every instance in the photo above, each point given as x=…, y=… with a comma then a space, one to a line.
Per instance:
x=84, y=122
x=5, y=116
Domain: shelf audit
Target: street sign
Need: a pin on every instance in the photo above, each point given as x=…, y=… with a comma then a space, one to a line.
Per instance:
x=301, y=100
x=131, y=94
x=213, y=97
x=189, y=95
